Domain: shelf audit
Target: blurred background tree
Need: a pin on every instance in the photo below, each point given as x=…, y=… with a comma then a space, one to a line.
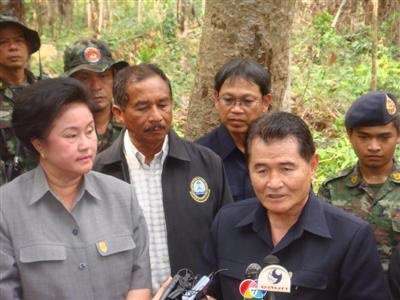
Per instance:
x=332, y=44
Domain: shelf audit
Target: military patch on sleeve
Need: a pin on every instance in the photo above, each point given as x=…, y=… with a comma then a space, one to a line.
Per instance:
x=390, y=106
x=199, y=189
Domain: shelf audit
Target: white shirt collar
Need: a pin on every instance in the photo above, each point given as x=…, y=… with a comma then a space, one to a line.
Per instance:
x=136, y=159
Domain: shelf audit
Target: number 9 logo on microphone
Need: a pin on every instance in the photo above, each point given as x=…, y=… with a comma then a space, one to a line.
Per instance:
x=248, y=289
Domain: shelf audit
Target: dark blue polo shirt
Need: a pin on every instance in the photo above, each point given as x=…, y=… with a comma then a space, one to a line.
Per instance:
x=220, y=141
x=331, y=253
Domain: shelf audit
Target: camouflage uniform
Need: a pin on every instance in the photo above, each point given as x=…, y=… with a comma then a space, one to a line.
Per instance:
x=94, y=56
x=378, y=204
x=381, y=208
x=107, y=138
x=14, y=158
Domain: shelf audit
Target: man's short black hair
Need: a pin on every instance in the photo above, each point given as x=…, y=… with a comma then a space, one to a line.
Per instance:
x=135, y=74
x=278, y=126
x=38, y=105
x=247, y=69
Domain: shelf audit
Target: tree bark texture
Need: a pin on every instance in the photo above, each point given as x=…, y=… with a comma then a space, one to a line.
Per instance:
x=241, y=28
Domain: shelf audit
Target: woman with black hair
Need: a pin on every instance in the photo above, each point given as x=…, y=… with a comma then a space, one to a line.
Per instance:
x=67, y=232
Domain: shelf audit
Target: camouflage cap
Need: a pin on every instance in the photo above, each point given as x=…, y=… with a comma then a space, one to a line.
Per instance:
x=372, y=109
x=91, y=55
x=31, y=36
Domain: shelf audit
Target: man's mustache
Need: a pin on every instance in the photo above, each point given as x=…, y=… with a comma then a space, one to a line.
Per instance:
x=154, y=127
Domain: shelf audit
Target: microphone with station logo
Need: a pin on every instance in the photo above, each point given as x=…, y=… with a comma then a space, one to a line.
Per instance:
x=273, y=278
x=248, y=287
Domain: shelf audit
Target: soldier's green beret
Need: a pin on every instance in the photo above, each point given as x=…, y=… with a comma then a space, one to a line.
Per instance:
x=31, y=36
x=372, y=109
x=92, y=55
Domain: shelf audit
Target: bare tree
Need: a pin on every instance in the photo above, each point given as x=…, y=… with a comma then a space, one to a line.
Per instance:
x=241, y=28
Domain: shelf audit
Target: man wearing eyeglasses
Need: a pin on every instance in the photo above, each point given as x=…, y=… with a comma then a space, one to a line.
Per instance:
x=241, y=95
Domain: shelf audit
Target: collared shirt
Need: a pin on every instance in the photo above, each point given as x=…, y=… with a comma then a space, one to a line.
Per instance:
x=331, y=254
x=380, y=208
x=220, y=141
x=146, y=180
x=188, y=215
x=98, y=250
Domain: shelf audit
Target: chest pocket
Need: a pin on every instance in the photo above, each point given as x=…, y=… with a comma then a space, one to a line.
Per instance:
x=115, y=244
x=37, y=253
x=233, y=269
x=308, y=280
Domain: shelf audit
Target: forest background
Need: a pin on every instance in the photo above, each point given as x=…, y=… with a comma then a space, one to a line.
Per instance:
x=337, y=53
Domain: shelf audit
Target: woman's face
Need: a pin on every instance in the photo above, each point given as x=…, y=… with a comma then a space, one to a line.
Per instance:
x=70, y=147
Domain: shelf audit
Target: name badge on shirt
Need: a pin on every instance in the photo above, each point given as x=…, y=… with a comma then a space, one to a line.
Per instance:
x=199, y=189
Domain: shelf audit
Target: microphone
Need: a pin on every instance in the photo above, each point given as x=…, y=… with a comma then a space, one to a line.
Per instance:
x=252, y=271
x=198, y=290
x=273, y=278
x=186, y=286
x=248, y=287
x=271, y=260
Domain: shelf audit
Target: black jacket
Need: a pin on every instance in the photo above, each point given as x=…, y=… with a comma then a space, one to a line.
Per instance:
x=188, y=221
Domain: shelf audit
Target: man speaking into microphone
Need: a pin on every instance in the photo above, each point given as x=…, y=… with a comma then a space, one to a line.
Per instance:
x=328, y=253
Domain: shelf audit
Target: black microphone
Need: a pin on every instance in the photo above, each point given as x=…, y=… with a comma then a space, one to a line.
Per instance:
x=252, y=271
x=271, y=260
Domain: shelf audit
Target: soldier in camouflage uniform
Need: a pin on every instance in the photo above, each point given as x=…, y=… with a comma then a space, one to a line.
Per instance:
x=17, y=43
x=371, y=188
x=91, y=62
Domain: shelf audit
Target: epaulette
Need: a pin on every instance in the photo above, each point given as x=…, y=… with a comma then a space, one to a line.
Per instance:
x=395, y=175
x=341, y=174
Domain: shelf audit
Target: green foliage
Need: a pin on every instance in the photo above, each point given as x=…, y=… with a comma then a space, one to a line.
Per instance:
x=153, y=39
x=331, y=68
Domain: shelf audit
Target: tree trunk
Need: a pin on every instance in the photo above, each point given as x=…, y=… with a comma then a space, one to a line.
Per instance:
x=100, y=18
x=339, y=11
x=241, y=28
x=89, y=13
x=368, y=8
x=182, y=16
x=389, y=10
x=52, y=15
x=93, y=16
x=66, y=8
x=13, y=7
x=39, y=13
x=139, y=12
x=374, y=39
x=107, y=12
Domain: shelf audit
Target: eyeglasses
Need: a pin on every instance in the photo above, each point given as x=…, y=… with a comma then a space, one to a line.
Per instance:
x=244, y=102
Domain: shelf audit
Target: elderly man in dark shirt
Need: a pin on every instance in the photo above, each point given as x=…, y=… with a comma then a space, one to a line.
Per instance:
x=329, y=253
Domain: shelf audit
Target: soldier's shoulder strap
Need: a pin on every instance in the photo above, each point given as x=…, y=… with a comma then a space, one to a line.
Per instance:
x=342, y=174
